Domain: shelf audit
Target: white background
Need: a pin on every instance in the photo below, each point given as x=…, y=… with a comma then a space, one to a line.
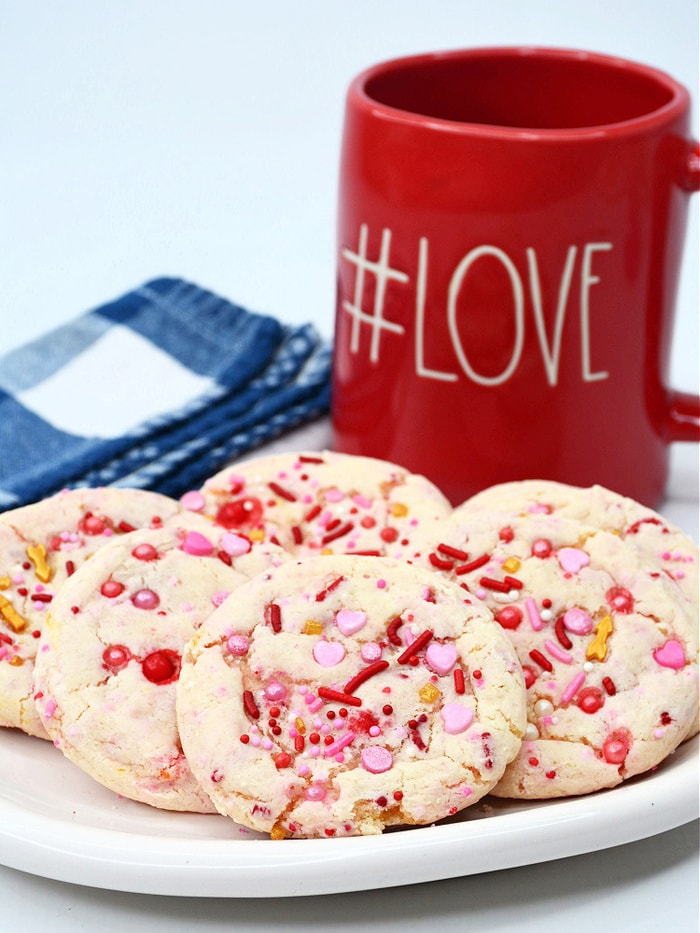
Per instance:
x=200, y=138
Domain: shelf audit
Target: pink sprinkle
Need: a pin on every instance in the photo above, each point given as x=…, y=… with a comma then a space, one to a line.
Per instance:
x=339, y=745
x=371, y=651
x=237, y=645
x=234, y=544
x=374, y=731
x=197, y=545
x=50, y=708
x=572, y=559
x=533, y=613
x=377, y=759
x=381, y=584
x=362, y=501
x=573, y=687
x=557, y=652
x=220, y=597
x=193, y=501
x=334, y=495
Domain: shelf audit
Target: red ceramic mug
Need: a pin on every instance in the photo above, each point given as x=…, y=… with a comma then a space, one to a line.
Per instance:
x=511, y=225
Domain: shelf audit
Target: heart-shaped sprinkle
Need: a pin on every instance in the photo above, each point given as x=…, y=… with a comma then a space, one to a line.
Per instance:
x=457, y=718
x=578, y=622
x=328, y=653
x=196, y=544
x=572, y=559
x=234, y=544
x=377, y=759
x=350, y=621
x=441, y=658
x=670, y=655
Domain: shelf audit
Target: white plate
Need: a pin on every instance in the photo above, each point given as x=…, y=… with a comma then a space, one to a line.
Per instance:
x=55, y=821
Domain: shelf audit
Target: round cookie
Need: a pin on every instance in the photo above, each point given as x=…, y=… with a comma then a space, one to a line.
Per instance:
x=324, y=503
x=608, y=646
x=676, y=552
x=339, y=695
x=111, y=653
x=41, y=545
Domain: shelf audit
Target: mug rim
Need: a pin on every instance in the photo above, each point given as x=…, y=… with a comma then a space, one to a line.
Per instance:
x=678, y=102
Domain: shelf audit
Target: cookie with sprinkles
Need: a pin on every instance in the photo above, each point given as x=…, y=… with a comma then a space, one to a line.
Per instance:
x=41, y=545
x=340, y=695
x=111, y=653
x=676, y=552
x=608, y=645
x=324, y=503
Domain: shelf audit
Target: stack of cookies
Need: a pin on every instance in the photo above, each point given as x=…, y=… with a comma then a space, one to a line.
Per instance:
x=319, y=645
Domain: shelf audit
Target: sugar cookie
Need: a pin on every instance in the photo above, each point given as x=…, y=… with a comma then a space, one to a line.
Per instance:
x=41, y=545
x=339, y=695
x=312, y=503
x=111, y=653
x=675, y=551
x=608, y=645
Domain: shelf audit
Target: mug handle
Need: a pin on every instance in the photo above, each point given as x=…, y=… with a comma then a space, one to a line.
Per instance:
x=683, y=412
x=683, y=416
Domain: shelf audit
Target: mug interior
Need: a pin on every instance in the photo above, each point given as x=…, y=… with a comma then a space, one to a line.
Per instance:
x=520, y=89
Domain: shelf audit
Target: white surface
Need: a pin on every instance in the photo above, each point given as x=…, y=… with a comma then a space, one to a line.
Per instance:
x=200, y=139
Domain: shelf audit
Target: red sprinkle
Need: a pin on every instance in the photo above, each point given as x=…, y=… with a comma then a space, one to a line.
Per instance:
x=513, y=582
x=42, y=597
x=440, y=563
x=458, y=675
x=273, y=616
x=297, y=535
x=344, y=529
x=250, y=705
x=560, y=632
x=299, y=743
x=321, y=595
x=282, y=492
x=609, y=686
x=126, y=527
x=500, y=586
x=473, y=564
x=420, y=642
x=70, y=568
x=283, y=760
x=375, y=668
x=329, y=694
x=305, y=458
x=540, y=659
x=312, y=513
x=455, y=552
x=392, y=630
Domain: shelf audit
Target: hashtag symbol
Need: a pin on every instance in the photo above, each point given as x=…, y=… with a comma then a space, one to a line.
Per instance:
x=383, y=273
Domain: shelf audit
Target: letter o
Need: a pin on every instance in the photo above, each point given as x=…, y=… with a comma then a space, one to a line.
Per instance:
x=458, y=277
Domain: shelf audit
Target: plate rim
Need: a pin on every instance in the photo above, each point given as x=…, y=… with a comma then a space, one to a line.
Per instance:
x=57, y=848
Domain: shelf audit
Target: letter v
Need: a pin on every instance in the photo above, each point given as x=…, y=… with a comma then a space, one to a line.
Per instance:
x=550, y=357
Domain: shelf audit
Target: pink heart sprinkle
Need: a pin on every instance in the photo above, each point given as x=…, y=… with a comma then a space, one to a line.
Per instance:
x=328, y=653
x=670, y=655
x=457, y=718
x=197, y=544
x=193, y=501
x=441, y=658
x=377, y=759
x=350, y=621
x=571, y=559
x=235, y=545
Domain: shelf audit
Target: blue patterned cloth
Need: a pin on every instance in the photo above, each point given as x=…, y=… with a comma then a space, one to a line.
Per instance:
x=156, y=390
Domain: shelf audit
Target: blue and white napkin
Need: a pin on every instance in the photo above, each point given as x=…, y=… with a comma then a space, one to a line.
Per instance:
x=156, y=390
